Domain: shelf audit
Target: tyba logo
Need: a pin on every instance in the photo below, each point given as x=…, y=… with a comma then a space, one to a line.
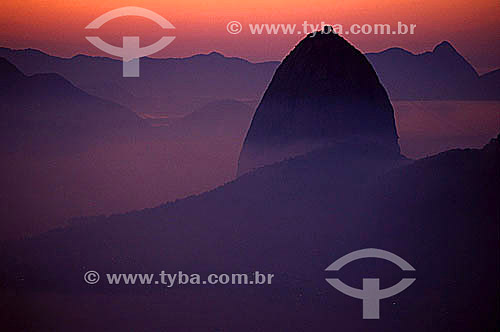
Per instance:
x=130, y=52
x=371, y=294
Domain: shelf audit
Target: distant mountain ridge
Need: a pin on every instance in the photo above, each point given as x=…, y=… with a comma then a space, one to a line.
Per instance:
x=178, y=86
x=174, y=86
x=45, y=112
x=440, y=74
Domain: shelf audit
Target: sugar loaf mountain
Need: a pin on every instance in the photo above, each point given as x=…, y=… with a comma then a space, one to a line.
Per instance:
x=304, y=108
x=333, y=181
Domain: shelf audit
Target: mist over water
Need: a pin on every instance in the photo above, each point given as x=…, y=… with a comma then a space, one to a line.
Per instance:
x=43, y=193
x=429, y=127
x=246, y=180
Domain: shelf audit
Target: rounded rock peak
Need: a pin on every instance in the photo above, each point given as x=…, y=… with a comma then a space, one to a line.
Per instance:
x=325, y=91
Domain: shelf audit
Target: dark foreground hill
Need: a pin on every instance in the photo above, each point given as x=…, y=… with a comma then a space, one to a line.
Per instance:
x=66, y=154
x=291, y=219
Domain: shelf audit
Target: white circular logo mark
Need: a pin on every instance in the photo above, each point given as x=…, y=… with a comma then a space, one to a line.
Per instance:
x=371, y=294
x=234, y=27
x=130, y=52
x=91, y=277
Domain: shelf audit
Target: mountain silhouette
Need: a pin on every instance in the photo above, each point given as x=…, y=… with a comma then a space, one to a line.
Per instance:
x=10, y=73
x=174, y=86
x=489, y=86
x=293, y=219
x=178, y=86
x=45, y=112
x=325, y=91
x=66, y=153
x=228, y=118
x=440, y=74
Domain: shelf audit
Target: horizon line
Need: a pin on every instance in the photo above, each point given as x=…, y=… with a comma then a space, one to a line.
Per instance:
x=218, y=53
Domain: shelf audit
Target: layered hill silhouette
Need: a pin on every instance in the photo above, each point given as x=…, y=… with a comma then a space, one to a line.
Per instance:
x=221, y=118
x=440, y=74
x=324, y=92
x=175, y=86
x=46, y=113
x=293, y=219
x=489, y=85
x=178, y=86
x=66, y=153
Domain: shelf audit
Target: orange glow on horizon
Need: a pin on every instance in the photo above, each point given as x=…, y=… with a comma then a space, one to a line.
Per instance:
x=57, y=26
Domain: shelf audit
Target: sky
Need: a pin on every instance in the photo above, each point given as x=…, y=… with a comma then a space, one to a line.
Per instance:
x=57, y=26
